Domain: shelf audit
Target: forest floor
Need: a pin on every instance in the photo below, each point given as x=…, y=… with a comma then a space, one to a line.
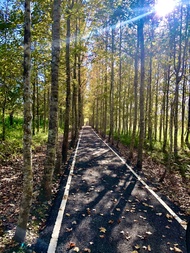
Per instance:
x=176, y=188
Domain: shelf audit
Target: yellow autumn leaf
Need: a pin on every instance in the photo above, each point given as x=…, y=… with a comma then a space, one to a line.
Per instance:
x=137, y=246
x=169, y=216
x=102, y=229
x=76, y=249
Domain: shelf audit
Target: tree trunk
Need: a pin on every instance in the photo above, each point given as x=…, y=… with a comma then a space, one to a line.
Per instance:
x=141, y=134
x=167, y=80
x=11, y=118
x=3, y=119
x=156, y=110
x=119, y=84
x=183, y=113
x=37, y=108
x=34, y=107
x=45, y=110
x=74, y=134
x=80, y=108
x=110, y=139
x=53, y=113
x=68, y=90
x=188, y=122
x=150, y=90
x=26, y=200
x=135, y=96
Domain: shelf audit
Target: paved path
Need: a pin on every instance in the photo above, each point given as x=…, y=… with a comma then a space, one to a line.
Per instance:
x=108, y=209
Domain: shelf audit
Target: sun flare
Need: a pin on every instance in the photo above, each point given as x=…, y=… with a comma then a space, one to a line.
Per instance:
x=163, y=7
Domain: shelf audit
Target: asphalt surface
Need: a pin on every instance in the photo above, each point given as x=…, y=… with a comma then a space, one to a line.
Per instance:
x=108, y=210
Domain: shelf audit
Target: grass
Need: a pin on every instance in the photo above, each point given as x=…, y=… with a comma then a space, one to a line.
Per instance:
x=157, y=154
x=13, y=143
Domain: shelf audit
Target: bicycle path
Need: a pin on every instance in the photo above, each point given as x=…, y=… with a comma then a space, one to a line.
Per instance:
x=107, y=209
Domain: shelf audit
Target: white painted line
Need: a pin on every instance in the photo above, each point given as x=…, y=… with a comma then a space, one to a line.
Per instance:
x=57, y=226
x=178, y=219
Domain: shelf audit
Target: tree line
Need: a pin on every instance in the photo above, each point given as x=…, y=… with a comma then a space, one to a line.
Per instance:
x=140, y=71
x=114, y=62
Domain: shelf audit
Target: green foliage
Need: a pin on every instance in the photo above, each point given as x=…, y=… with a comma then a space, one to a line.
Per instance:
x=39, y=139
x=13, y=144
x=126, y=139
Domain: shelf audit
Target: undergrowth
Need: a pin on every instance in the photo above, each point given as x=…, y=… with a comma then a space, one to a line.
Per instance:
x=181, y=164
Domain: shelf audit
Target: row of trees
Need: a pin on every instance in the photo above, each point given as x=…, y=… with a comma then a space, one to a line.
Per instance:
x=141, y=73
x=129, y=67
x=52, y=92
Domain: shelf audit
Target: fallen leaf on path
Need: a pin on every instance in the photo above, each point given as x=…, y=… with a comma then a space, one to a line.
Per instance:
x=71, y=245
x=137, y=246
x=111, y=221
x=141, y=237
x=169, y=216
x=102, y=229
x=134, y=251
x=88, y=211
x=69, y=229
x=102, y=236
x=76, y=249
x=149, y=248
x=118, y=221
x=142, y=217
x=148, y=233
x=87, y=250
x=177, y=249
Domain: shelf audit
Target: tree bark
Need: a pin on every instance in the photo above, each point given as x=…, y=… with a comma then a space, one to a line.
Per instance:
x=135, y=96
x=68, y=89
x=53, y=113
x=141, y=134
x=26, y=200
x=110, y=139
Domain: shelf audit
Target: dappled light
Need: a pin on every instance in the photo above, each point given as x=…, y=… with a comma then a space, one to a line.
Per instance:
x=94, y=126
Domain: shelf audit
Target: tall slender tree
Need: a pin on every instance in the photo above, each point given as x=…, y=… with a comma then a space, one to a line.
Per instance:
x=27, y=134
x=135, y=96
x=53, y=112
x=68, y=84
x=142, y=80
